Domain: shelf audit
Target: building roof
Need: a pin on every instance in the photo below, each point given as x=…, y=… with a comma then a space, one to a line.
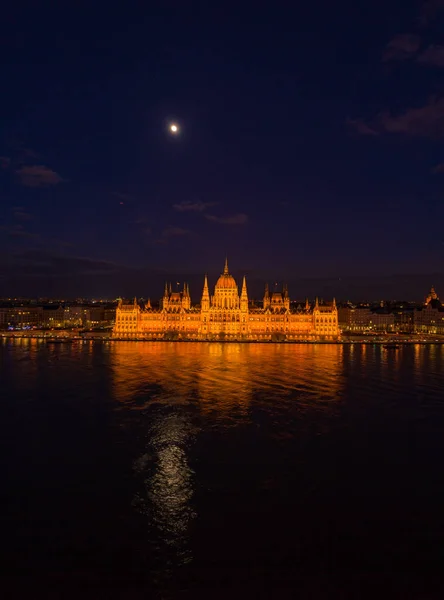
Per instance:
x=226, y=281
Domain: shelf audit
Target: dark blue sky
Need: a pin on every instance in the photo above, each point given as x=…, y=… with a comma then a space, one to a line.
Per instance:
x=310, y=147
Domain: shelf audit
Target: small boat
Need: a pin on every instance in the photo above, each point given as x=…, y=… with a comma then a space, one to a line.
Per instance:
x=391, y=346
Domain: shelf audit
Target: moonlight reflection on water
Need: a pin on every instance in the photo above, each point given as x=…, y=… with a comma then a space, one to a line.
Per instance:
x=203, y=467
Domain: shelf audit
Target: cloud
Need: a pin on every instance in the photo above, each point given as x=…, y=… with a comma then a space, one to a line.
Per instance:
x=5, y=161
x=187, y=206
x=37, y=176
x=401, y=47
x=360, y=127
x=438, y=169
x=238, y=219
x=168, y=233
x=39, y=262
x=20, y=214
x=429, y=10
x=18, y=232
x=426, y=121
x=433, y=56
x=175, y=232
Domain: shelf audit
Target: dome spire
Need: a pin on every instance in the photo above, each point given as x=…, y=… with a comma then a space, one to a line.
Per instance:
x=226, y=266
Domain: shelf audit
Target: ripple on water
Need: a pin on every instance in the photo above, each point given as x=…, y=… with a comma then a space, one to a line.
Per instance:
x=231, y=457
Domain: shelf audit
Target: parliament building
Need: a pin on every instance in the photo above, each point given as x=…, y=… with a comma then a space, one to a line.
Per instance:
x=227, y=315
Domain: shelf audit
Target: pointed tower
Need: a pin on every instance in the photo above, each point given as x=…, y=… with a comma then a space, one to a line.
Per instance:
x=244, y=297
x=205, y=308
x=166, y=297
x=226, y=266
x=286, y=297
x=186, y=300
x=205, y=302
x=266, y=303
x=307, y=305
x=148, y=304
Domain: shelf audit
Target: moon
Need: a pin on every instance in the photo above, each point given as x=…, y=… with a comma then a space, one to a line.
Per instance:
x=174, y=128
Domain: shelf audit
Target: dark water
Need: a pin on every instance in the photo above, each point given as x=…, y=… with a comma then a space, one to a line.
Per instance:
x=213, y=470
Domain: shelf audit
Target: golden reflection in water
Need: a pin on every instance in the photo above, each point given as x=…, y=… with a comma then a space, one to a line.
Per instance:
x=177, y=373
x=220, y=377
x=221, y=380
x=224, y=379
x=417, y=356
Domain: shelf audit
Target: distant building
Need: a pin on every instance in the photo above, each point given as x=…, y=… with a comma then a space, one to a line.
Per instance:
x=109, y=316
x=226, y=315
x=74, y=316
x=53, y=317
x=354, y=319
x=430, y=318
x=100, y=316
x=365, y=319
x=381, y=320
x=20, y=317
x=404, y=318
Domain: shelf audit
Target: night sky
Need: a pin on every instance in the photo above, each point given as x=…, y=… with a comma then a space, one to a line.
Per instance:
x=310, y=147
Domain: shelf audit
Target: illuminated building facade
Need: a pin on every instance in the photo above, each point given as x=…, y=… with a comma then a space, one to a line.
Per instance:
x=430, y=318
x=226, y=315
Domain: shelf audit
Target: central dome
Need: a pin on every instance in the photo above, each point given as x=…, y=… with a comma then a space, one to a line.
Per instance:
x=226, y=281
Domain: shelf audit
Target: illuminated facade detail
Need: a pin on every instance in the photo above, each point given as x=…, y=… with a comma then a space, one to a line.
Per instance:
x=430, y=317
x=226, y=315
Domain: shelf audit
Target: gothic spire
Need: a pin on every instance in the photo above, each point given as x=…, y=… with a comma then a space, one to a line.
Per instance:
x=244, y=287
x=226, y=266
x=205, y=289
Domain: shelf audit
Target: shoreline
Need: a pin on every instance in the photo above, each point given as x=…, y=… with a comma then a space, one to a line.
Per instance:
x=63, y=339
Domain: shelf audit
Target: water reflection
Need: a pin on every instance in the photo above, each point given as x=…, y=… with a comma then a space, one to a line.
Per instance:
x=167, y=483
x=238, y=458
x=177, y=391
x=222, y=378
